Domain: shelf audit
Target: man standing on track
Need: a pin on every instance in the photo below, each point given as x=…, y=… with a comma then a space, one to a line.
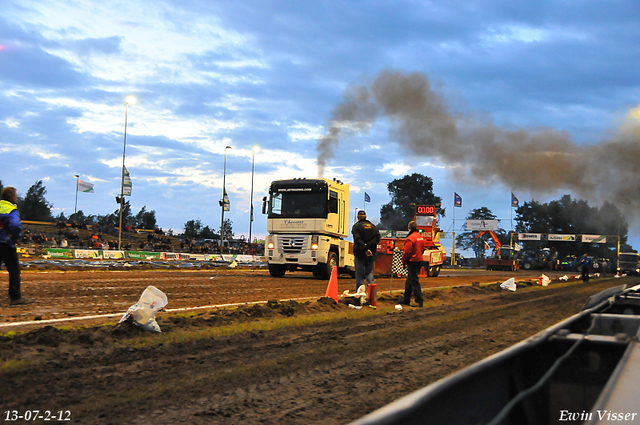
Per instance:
x=412, y=258
x=10, y=232
x=365, y=242
x=585, y=264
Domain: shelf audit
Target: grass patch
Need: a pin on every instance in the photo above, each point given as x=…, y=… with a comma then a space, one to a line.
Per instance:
x=284, y=323
x=16, y=365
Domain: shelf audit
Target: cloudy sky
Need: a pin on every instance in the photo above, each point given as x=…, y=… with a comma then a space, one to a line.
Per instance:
x=485, y=97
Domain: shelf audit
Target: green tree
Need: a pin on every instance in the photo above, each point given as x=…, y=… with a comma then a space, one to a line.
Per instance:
x=405, y=193
x=79, y=217
x=228, y=229
x=471, y=240
x=34, y=206
x=127, y=218
x=145, y=219
x=192, y=228
x=569, y=216
x=108, y=220
x=209, y=233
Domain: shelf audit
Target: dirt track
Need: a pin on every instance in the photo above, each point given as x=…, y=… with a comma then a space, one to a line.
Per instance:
x=320, y=363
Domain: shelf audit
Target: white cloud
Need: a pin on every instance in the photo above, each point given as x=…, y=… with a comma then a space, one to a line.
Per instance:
x=303, y=131
x=395, y=169
x=11, y=123
x=521, y=33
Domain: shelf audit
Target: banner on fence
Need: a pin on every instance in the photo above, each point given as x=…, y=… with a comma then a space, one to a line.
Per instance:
x=113, y=255
x=142, y=255
x=58, y=252
x=88, y=253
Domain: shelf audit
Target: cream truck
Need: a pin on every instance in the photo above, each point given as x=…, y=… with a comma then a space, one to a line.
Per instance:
x=308, y=223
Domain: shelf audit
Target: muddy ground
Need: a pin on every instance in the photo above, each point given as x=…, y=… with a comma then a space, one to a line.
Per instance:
x=286, y=361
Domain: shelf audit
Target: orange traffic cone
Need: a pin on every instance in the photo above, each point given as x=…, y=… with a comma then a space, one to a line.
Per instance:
x=332, y=287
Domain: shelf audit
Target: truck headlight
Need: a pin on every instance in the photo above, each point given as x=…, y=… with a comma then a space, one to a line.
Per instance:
x=314, y=242
x=271, y=245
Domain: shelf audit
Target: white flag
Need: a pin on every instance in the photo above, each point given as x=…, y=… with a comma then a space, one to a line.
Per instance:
x=127, y=183
x=85, y=187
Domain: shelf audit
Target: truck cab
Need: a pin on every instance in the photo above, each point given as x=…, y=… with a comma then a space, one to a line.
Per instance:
x=629, y=263
x=308, y=222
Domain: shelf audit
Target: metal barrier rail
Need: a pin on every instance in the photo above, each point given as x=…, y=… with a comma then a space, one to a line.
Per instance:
x=584, y=370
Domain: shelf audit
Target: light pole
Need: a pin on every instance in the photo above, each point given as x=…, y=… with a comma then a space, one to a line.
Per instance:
x=128, y=101
x=225, y=199
x=253, y=167
x=75, y=210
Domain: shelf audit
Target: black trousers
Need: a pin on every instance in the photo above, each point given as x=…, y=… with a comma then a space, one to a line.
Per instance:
x=412, y=284
x=585, y=274
x=9, y=256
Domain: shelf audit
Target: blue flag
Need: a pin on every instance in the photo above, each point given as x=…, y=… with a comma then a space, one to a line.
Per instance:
x=367, y=198
x=457, y=200
x=514, y=200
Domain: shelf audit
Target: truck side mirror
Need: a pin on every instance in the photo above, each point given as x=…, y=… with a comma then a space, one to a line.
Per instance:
x=264, y=205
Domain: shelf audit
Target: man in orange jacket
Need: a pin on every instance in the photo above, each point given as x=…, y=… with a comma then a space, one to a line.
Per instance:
x=412, y=258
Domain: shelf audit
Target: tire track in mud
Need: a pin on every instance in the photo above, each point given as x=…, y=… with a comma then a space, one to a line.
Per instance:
x=323, y=373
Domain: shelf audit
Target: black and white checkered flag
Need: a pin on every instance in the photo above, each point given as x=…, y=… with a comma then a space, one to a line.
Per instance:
x=396, y=264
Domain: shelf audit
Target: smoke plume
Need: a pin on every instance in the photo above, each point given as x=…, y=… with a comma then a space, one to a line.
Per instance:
x=539, y=161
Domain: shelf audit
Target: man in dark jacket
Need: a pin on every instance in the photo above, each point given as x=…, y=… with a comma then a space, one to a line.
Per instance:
x=365, y=242
x=412, y=258
x=10, y=232
x=585, y=265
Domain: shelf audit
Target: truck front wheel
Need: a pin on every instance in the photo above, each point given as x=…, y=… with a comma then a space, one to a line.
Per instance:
x=277, y=270
x=435, y=271
x=325, y=269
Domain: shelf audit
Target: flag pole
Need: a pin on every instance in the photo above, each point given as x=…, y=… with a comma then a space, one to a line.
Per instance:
x=453, y=243
x=77, y=183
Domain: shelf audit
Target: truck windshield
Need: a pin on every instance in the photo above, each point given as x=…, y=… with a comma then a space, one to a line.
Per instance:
x=298, y=205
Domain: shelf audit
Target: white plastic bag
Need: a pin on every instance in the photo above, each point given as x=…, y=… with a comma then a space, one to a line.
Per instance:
x=360, y=295
x=509, y=284
x=144, y=311
x=544, y=280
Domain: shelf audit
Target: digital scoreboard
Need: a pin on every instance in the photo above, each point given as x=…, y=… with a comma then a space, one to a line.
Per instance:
x=425, y=210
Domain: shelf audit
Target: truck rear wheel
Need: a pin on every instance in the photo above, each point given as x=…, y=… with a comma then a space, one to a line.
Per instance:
x=435, y=271
x=277, y=270
x=324, y=270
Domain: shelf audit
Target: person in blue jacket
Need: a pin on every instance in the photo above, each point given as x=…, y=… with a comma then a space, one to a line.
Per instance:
x=585, y=264
x=10, y=232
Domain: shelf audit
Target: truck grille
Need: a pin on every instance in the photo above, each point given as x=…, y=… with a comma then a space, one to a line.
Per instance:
x=293, y=244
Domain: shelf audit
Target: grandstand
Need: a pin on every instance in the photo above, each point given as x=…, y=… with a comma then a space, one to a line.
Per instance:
x=37, y=234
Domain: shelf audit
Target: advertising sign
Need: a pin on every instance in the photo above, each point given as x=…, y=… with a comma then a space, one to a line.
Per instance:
x=59, y=252
x=561, y=238
x=594, y=238
x=88, y=253
x=530, y=236
x=140, y=255
x=482, y=225
x=113, y=255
